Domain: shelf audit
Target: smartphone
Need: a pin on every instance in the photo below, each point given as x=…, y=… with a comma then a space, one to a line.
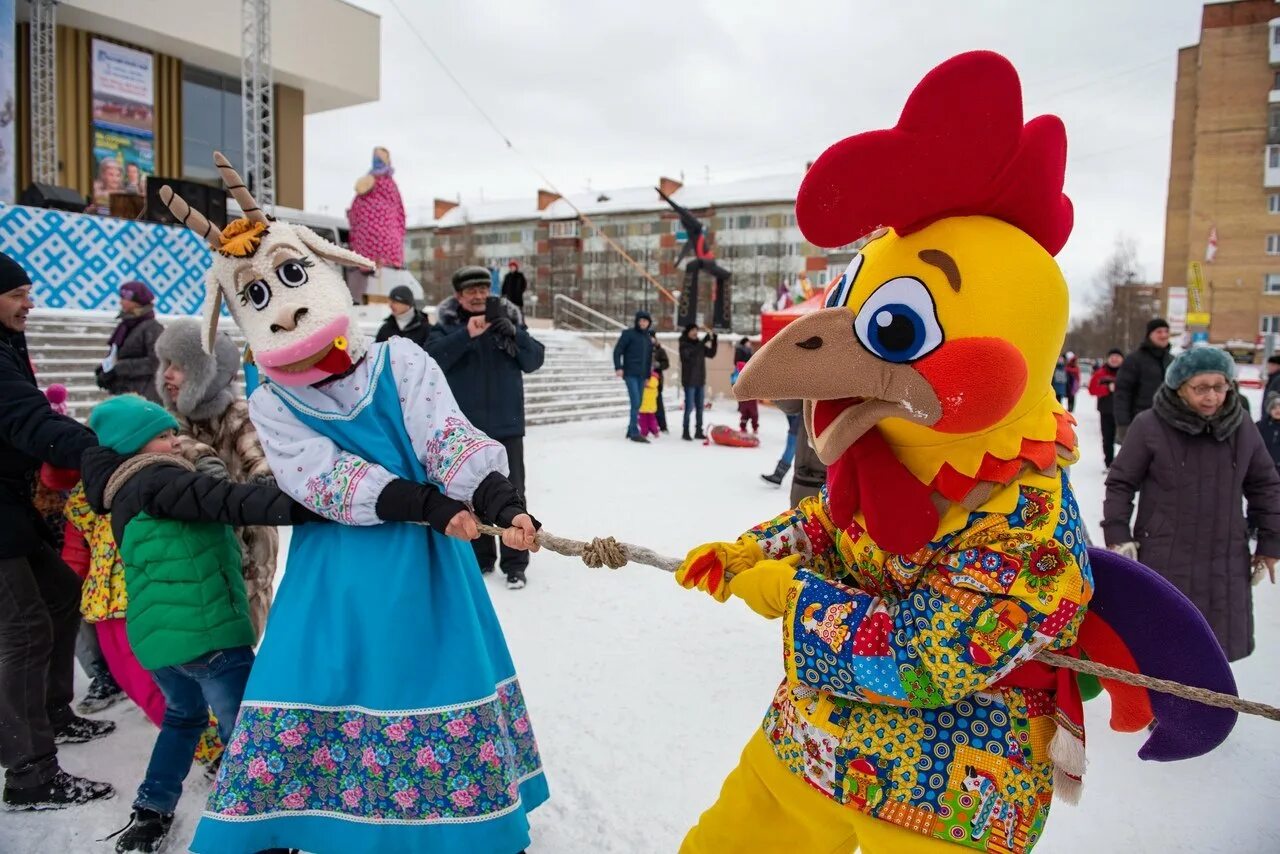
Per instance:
x=492, y=309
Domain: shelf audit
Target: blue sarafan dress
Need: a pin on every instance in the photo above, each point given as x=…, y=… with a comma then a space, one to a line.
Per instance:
x=383, y=713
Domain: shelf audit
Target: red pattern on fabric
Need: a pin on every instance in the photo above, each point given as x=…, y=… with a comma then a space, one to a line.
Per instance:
x=872, y=637
x=377, y=223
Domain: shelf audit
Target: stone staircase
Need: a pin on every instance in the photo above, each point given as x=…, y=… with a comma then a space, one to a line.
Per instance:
x=575, y=383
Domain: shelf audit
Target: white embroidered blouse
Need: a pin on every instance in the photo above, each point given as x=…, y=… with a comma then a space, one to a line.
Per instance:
x=344, y=487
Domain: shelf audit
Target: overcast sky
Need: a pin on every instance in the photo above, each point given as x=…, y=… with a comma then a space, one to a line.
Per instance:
x=616, y=94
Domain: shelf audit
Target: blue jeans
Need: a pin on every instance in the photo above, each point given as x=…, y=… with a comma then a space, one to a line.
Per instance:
x=789, y=452
x=635, y=385
x=215, y=681
x=694, y=399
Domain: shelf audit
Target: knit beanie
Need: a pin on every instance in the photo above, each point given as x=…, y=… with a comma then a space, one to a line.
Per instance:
x=127, y=422
x=1201, y=360
x=138, y=292
x=1116, y=351
x=401, y=294
x=12, y=276
x=1156, y=323
x=469, y=277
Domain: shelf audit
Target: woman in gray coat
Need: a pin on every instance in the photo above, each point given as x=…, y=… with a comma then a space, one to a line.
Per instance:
x=1192, y=457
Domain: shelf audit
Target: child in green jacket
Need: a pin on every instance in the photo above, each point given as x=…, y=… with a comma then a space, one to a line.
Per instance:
x=188, y=615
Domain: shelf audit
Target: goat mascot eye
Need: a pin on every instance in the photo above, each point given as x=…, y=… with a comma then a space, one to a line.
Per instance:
x=899, y=323
x=257, y=293
x=292, y=274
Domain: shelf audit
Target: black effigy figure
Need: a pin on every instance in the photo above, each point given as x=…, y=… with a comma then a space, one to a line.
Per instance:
x=698, y=242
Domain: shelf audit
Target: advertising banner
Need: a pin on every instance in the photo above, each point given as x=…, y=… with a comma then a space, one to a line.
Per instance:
x=123, y=121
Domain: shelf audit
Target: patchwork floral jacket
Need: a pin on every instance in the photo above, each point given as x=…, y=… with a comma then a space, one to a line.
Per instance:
x=897, y=700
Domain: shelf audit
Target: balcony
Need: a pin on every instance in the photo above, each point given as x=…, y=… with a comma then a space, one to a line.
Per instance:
x=1271, y=166
x=1274, y=40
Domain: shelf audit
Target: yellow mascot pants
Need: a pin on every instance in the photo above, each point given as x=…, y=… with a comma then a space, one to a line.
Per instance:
x=763, y=808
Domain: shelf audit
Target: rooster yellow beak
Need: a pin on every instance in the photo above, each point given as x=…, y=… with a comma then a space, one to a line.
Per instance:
x=846, y=389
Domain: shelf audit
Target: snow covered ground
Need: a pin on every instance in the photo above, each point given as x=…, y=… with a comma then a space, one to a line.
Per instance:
x=643, y=694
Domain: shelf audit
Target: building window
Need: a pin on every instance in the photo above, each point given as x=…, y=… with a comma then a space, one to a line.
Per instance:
x=564, y=228
x=1273, y=203
x=210, y=122
x=1269, y=323
x=1273, y=156
x=1271, y=284
x=1273, y=244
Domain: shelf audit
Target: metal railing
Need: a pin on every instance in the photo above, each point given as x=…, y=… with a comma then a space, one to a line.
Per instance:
x=568, y=313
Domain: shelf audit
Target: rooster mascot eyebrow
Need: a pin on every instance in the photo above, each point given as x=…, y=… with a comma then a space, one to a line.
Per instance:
x=946, y=549
x=383, y=712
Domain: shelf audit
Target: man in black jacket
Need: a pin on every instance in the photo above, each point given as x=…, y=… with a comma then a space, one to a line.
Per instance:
x=1141, y=375
x=405, y=320
x=514, y=285
x=633, y=361
x=485, y=350
x=39, y=594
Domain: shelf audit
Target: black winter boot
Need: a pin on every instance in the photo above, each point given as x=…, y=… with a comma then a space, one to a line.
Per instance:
x=103, y=693
x=685, y=435
x=699, y=434
x=778, y=474
x=81, y=730
x=146, y=831
x=64, y=790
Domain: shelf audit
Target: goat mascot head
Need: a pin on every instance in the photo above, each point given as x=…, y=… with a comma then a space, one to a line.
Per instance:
x=295, y=310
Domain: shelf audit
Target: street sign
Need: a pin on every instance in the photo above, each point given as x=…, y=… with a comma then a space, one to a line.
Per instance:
x=1197, y=318
x=1199, y=336
x=1176, y=309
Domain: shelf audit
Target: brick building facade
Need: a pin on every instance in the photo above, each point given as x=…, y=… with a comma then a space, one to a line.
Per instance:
x=1224, y=176
x=752, y=222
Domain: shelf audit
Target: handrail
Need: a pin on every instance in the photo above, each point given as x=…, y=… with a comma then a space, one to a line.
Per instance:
x=594, y=318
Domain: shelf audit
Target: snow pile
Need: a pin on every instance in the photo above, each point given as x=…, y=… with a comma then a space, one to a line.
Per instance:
x=642, y=694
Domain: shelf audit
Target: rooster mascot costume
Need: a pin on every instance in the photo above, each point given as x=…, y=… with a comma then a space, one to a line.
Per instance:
x=946, y=549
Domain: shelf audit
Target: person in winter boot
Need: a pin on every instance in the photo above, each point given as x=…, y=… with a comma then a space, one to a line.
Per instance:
x=198, y=388
x=131, y=351
x=633, y=362
x=811, y=472
x=1060, y=379
x=694, y=352
x=1141, y=375
x=1102, y=386
x=1073, y=381
x=405, y=320
x=1269, y=426
x=647, y=419
x=514, y=285
x=39, y=594
x=661, y=362
x=788, y=451
x=188, y=616
x=1193, y=460
x=1272, y=375
x=748, y=410
x=484, y=349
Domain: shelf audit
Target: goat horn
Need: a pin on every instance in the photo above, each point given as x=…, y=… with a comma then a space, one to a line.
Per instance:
x=237, y=189
x=192, y=219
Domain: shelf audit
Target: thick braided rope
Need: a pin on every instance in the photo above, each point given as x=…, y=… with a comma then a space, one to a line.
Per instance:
x=606, y=551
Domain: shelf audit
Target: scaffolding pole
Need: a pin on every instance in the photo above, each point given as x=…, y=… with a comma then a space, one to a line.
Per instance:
x=44, y=92
x=257, y=100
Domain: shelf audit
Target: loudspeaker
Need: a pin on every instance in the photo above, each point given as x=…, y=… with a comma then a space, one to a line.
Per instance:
x=208, y=199
x=56, y=198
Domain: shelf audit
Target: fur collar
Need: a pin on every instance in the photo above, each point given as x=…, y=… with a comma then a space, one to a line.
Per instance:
x=450, y=312
x=132, y=466
x=206, y=393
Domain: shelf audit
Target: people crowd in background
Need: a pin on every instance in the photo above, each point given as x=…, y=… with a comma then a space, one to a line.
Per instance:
x=406, y=319
x=1102, y=385
x=1141, y=375
x=694, y=352
x=130, y=363
x=633, y=362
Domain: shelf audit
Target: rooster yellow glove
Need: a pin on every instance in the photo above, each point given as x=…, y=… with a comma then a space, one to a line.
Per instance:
x=764, y=586
x=707, y=567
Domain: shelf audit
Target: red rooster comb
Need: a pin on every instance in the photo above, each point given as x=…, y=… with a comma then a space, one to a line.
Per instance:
x=959, y=149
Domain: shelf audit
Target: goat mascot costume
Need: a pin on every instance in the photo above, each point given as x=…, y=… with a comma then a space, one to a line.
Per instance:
x=946, y=549
x=383, y=712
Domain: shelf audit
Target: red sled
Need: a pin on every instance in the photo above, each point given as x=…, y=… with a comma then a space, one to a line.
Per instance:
x=731, y=438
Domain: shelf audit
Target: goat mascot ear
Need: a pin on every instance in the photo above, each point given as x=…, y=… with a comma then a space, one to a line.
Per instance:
x=331, y=252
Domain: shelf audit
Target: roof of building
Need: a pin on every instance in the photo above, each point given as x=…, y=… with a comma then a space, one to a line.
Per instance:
x=761, y=190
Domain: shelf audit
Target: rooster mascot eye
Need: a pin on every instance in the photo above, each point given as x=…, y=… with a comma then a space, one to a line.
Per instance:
x=899, y=322
x=839, y=294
